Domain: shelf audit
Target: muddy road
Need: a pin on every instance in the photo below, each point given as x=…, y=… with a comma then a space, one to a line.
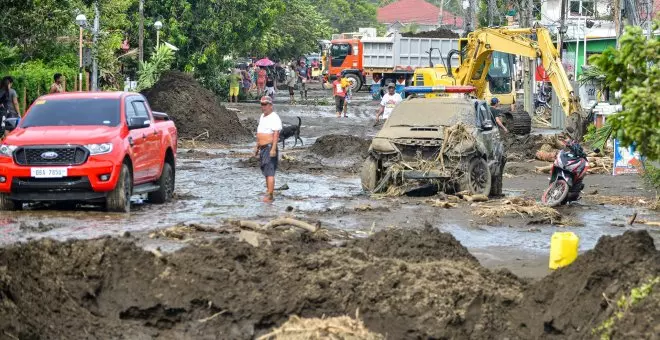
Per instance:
x=216, y=183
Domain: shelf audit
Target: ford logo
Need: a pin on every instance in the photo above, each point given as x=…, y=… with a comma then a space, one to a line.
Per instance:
x=49, y=155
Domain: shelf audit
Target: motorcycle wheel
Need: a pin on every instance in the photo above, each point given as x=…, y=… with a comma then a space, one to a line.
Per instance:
x=555, y=194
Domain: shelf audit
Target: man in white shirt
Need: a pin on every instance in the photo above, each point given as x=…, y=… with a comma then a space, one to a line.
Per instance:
x=268, y=134
x=390, y=100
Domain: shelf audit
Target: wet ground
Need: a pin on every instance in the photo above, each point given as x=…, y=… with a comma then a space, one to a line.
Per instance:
x=214, y=184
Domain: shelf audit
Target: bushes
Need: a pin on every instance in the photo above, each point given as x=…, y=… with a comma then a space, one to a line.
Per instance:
x=36, y=77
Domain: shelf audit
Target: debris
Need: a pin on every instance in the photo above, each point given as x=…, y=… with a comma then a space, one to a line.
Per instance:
x=292, y=222
x=284, y=187
x=547, y=156
x=632, y=218
x=476, y=198
x=543, y=169
x=523, y=208
x=339, y=328
x=441, y=204
x=252, y=238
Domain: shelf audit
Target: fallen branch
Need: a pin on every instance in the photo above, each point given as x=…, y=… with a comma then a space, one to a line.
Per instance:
x=212, y=316
x=290, y=221
x=249, y=224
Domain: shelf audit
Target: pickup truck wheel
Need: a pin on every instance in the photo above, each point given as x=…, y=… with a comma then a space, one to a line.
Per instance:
x=477, y=178
x=165, y=186
x=369, y=174
x=6, y=204
x=119, y=199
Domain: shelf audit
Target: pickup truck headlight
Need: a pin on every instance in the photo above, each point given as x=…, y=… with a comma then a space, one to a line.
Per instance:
x=7, y=150
x=99, y=149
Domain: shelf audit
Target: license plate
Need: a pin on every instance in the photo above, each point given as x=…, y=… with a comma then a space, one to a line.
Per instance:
x=49, y=172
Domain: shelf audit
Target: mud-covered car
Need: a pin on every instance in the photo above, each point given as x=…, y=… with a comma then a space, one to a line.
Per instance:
x=449, y=141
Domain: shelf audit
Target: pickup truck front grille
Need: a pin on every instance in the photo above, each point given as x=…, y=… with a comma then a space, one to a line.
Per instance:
x=51, y=155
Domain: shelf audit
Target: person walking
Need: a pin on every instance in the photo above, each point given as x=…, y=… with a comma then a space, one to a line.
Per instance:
x=253, y=76
x=390, y=100
x=302, y=80
x=349, y=95
x=246, y=81
x=291, y=80
x=234, y=86
x=261, y=81
x=268, y=134
x=497, y=114
x=270, y=87
x=339, y=92
x=8, y=102
x=57, y=86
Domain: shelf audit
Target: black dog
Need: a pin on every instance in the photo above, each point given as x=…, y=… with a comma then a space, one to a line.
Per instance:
x=291, y=131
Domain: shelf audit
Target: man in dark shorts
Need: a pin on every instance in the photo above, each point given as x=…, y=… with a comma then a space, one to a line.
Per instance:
x=497, y=114
x=268, y=134
x=339, y=92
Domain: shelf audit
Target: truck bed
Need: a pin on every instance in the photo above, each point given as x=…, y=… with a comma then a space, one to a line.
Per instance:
x=399, y=52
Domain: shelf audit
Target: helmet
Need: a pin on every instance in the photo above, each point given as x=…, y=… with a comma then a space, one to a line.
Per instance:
x=494, y=101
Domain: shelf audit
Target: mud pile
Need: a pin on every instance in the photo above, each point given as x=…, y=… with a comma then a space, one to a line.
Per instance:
x=437, y=33
x=573, y=301
x=109, y=288
x=343, y=146
x=195, y=110
x=405, y=284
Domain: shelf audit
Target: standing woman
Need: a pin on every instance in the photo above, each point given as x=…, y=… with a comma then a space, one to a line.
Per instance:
x=261, y=81
x=8, y=102
x=246, y=81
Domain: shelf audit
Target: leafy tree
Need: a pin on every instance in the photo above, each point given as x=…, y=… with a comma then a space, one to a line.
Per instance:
x=295, y=32
x=348, y=15
x=151, y=70
x=634, y=69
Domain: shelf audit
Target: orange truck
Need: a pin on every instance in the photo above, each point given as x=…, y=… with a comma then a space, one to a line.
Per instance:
x=88, y=147
x=368, y=60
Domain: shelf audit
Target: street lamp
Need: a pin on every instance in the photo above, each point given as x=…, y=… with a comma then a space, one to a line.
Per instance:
x=158, y=25
x=81, y=21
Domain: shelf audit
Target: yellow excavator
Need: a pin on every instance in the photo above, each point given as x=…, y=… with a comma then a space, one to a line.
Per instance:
x=487, y=46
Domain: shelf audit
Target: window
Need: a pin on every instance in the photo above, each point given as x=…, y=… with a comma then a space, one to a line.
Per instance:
x=338, y=53
x=130, y=111
x=500, y=73
x=140, y=109
x=73, y=112
x=582, y=7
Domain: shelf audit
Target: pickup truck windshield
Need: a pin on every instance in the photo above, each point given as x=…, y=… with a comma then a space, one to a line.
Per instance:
x=73, y=112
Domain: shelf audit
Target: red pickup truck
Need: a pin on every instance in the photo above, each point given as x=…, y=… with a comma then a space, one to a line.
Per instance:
x=100, y=147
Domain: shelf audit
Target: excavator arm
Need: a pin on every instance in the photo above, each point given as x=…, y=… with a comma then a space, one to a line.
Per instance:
x=477, y=48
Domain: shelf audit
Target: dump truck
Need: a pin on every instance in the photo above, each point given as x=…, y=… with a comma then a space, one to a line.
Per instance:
x=368, y=59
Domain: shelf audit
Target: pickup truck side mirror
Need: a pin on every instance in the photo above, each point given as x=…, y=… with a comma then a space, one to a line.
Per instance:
x=138, y=123
x=10, y=124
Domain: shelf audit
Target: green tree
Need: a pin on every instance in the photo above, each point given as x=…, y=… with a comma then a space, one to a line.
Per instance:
x=348, y=16
x=295, y=32
x=634, y=69
x=151, y=70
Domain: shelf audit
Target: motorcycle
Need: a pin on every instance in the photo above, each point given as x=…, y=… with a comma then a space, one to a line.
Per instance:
x=568, y=171
x=541, y=102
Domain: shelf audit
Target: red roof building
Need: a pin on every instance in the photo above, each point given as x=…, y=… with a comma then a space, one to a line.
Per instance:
x=416, y=11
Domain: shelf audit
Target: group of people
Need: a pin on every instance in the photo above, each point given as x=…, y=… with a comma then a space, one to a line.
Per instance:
x=259, y=79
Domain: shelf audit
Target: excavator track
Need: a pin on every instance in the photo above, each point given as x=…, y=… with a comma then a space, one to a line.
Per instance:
x=518, y=122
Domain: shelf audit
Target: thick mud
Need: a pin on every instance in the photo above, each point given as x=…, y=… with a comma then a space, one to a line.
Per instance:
x=341, y=146
x=404, y=283
x=195, y=110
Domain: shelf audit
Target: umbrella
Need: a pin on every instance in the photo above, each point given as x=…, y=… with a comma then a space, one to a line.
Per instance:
x=264, y=62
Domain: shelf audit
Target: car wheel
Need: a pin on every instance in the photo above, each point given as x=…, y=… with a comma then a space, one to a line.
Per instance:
x=119, y=199
x=369, y=174
x=165, y=186
x=477, y=178
x=7, y=204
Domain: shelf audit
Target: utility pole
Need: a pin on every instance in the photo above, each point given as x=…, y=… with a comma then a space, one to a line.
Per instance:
x=528, y=80
x=562, y=28
x=141, y=32
x=95, y=35
x=492, y=7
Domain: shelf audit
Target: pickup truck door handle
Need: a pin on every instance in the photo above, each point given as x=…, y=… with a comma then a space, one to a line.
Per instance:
x=156, y=133
x=144, y=136
x=130, y=141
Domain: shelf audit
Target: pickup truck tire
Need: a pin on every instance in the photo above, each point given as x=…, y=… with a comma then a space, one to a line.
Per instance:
x=165, y=183
x=6, y=204
x=119, y=199
x=477, y=178
x=369, y=174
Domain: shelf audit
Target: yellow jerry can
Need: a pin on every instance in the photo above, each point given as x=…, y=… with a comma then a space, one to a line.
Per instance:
x=563, y=249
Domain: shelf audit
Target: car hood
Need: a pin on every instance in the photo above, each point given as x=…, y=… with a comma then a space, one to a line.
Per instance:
x=58, y=135
x=412, y=132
